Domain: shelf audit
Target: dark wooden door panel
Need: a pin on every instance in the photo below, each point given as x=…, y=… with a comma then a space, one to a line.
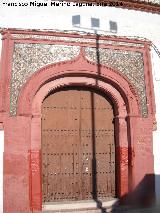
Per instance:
x=78, y=150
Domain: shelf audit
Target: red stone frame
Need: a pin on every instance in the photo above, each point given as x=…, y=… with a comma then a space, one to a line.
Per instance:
x=23, y=131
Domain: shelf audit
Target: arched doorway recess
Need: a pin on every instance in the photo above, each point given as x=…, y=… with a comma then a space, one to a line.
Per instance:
x=122, y=145
x=78, y=147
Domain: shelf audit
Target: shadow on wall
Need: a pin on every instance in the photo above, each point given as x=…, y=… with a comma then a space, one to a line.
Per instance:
x=140, y=200
x=157, y=188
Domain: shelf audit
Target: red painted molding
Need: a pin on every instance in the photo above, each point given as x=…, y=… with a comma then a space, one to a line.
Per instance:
x=14, y=31
x=35, y=174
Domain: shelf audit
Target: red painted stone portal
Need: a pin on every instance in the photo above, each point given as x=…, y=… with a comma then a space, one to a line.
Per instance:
x=33, y=65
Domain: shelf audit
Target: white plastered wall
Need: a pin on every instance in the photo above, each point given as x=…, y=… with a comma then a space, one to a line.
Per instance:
x=130, y=23
x=1, y=159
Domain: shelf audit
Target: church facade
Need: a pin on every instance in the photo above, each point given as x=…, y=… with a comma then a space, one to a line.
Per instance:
x=79, y=113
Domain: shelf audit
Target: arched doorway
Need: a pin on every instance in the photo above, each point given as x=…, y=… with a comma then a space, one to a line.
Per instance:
x=78, y=147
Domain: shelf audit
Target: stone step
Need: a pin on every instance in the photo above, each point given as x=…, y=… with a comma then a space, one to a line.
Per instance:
x=73, y=211
x=90, y=206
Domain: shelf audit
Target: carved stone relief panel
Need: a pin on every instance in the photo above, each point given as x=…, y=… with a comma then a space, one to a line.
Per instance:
x=128, y=63
x=28, y=58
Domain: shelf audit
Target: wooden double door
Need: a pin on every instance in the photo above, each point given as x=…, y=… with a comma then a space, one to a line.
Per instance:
x=78, y=148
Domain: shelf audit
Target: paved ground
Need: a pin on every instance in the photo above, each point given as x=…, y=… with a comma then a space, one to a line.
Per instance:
x=155, y=209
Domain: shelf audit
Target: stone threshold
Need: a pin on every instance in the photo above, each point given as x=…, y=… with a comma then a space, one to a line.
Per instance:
x=76, y=206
